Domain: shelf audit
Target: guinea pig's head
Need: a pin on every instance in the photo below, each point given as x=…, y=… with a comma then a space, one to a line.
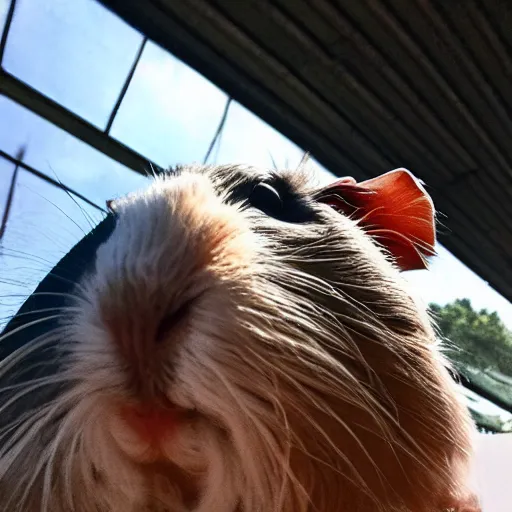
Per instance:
x=244, y=342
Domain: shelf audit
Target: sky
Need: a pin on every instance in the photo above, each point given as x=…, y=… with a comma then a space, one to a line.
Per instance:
x=79, y=54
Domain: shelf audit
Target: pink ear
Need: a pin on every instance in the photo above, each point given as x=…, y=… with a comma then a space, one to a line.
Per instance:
x=393, y=208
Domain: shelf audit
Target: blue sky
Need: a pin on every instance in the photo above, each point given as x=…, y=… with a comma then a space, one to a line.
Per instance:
x=79, y=54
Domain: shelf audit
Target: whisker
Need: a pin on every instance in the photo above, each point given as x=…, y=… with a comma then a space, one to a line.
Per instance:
x=72, y=296
x=60, y=210
x=27, y=325
x=47, y=310
x=12, y=254
x=53, y=274
x=30, y=257
x=42, y=459
x=42, y=381
x=17, y=355
x=23, y=420
x=82, y=210
x=58, y=243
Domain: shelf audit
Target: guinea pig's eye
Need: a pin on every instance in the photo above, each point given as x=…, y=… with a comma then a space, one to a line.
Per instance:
x=267, y=199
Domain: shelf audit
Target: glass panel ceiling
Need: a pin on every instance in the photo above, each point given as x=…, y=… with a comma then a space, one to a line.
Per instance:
x=248, y=140
x=62, y=156
x=4, y=7
x=44, y=224
x=77, y=53
x=170, y=112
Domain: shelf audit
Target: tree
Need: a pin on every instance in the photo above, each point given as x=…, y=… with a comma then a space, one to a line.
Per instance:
x=477, y=339
x=480, y=346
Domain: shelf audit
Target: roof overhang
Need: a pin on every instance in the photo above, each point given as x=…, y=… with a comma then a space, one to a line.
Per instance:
x=371, y=86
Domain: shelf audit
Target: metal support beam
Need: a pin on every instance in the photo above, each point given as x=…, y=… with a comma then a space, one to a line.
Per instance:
x=17, y=161
x=7, y=26
x=10, y=195
x=59, y=116
x=56, y=114
x=126, y=84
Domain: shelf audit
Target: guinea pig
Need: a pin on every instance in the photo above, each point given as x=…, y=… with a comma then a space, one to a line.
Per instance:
x=243, y=341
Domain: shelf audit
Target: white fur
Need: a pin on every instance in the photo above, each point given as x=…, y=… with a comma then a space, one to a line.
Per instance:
x=251, y=358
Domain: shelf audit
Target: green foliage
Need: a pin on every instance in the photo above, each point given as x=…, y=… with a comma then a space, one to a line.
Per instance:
x=477, y=339
x=480, y=346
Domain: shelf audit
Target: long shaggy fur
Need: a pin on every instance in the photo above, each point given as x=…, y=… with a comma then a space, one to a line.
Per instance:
x=302, y=374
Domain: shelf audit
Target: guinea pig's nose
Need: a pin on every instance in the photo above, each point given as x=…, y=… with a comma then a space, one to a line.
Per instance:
x=170, y=242
x=147, y=335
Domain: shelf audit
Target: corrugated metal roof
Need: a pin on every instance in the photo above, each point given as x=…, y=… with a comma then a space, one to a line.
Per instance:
x=370, y=86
